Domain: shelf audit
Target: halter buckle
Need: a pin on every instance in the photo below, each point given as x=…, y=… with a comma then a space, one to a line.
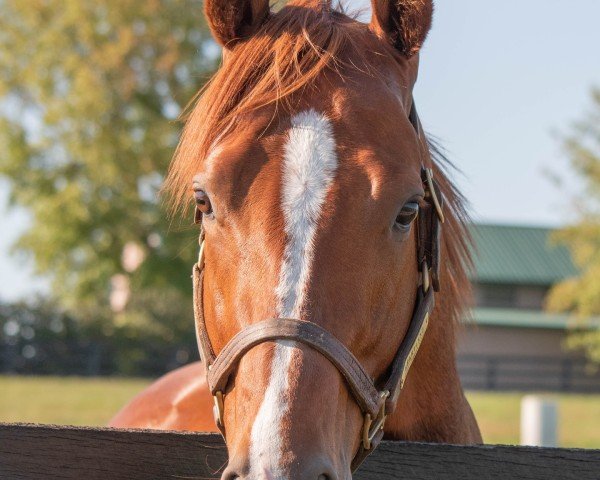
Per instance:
x=425, y=278
x=218, y=409
x=433, y=194
x=201, y=252
x=372, y=426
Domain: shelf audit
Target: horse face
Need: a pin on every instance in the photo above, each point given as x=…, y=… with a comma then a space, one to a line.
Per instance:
x=308, y=209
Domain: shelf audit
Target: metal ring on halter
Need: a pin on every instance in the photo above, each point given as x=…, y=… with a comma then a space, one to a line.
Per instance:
x=426, y=282
x=370, y=426
x=201, y=252
x=434, y=198
x=219, y=409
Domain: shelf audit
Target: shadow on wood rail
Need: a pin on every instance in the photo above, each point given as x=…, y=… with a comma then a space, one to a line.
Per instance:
x=59, y=452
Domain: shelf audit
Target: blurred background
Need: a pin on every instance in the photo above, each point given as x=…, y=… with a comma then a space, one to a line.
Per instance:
x=95, y=297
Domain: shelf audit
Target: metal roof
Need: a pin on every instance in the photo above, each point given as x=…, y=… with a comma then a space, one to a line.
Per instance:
x=507, y=317
x=510, y=254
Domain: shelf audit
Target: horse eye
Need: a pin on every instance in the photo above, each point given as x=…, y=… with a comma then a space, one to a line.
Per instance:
x=407, y=215
x=203, y=202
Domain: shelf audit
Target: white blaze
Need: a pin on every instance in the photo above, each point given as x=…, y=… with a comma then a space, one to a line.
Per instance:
x=308, y=170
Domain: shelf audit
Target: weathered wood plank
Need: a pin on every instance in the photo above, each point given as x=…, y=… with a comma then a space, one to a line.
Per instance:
x=57, y=452
x=69, y=453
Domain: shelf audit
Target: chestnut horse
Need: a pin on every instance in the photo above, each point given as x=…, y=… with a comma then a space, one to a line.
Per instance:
x=311, y=177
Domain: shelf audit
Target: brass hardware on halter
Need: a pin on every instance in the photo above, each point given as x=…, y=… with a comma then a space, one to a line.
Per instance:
x=372, y=427
x=432, y=192
x=425, y=280
x=201, y=252
x=219, y=410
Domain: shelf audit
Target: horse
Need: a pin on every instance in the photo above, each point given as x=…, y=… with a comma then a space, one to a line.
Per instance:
x=328, y=223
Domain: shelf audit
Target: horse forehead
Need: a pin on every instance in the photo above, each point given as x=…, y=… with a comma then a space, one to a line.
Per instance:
x=371, y=132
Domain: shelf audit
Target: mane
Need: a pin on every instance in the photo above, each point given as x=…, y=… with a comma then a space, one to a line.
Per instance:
x=294, y=47
x=290, y=51
x=457, y=261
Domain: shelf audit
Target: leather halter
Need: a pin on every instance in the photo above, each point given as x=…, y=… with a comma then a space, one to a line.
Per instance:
x=375, y=398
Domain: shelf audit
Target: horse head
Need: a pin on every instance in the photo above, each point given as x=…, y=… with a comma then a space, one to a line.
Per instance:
x=321, y=211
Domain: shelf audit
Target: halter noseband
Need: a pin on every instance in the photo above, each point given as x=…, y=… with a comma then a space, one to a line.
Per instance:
x=376, y=399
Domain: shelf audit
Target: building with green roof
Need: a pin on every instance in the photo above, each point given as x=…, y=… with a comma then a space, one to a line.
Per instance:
x=519, y=255
x=515, y=267
x=510, y=342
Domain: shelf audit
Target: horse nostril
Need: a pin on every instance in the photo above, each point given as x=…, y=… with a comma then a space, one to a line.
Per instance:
x=328, y=476
x=229, y=474
x=320, y=468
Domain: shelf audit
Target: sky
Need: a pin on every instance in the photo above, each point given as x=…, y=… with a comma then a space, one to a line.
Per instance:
x=499, y=82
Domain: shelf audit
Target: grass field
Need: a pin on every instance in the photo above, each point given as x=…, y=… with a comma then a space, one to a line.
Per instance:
x=64, y=400
x=83, y=401
x=498, y=415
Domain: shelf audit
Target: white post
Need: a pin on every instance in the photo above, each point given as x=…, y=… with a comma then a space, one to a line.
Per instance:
x=538, y=421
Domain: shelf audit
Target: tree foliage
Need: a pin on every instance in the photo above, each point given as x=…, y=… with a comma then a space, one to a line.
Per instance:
x=89, y=96
x=581, y=295
x=39, y=338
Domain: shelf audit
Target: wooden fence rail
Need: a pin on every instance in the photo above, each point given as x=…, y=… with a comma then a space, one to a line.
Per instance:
x=69, y=453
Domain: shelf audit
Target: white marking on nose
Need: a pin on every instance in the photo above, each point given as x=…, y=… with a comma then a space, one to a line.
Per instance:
x=309, y=166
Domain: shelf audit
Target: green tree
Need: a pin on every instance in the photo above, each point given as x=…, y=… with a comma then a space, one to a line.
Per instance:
x=581, y=295
x=89, y=96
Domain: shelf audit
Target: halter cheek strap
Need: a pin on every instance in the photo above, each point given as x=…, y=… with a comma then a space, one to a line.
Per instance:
x=376, y=399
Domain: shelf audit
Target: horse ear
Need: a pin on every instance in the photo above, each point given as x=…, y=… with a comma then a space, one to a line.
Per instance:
x=233, y=20
x=405, y=23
